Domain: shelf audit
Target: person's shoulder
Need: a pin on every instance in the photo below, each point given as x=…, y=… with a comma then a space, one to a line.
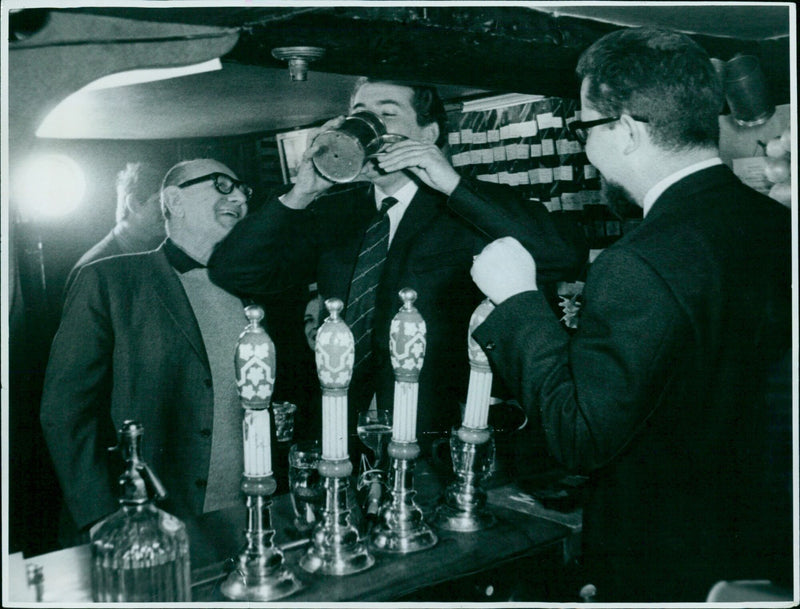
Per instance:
x=726, y=201
x=106, y=247
x=728, y=179
x=123, y=265
x=764, y=204
x=117, y=274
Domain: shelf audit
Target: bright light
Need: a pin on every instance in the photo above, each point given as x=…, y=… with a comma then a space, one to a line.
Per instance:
x=134, y=77
x=50, y=185
x=72, y=117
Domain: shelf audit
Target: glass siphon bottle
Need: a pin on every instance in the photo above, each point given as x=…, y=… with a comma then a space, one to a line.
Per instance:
x=140, y=553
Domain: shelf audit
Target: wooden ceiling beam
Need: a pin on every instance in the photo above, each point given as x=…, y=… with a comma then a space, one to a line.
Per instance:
x=502, y=48
x=497, y=48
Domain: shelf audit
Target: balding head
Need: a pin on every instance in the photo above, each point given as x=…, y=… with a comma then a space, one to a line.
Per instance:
x=202, y=200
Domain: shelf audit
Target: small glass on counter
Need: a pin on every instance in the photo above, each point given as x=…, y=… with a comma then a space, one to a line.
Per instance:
x=375, y=431
x=284, y=420
x=305, y=484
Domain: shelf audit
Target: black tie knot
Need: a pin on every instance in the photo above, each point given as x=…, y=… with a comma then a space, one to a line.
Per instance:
x=386, y=204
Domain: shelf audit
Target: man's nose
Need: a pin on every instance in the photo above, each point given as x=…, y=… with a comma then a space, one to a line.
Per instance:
x=237, y=196
x=239, y=199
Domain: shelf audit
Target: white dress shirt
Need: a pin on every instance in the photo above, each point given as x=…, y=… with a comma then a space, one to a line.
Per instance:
x=395, y=213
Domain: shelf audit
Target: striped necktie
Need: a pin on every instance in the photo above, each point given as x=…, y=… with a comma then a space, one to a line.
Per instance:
x=366, y=277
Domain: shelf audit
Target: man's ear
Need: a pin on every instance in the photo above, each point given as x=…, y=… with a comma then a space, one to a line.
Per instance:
x=632, y=130
x=171, y=197
x=430, y=133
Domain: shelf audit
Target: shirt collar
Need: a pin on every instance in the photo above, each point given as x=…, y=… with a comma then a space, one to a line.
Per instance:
x=398, y=210
x=659, y=188
x=178, y=259
x=403, y=196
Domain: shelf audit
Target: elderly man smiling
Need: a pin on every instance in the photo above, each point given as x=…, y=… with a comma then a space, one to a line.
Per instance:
x=149, y=337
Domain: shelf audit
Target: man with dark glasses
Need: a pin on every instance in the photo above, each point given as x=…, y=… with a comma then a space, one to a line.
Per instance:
x=580, y=129
x=661, y=395
x=222, y=182
x=149, y=337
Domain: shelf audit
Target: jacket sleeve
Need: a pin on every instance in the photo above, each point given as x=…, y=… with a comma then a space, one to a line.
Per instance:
x=267, y=252
x=75, y=410
x=557, y=244
x=594, y=389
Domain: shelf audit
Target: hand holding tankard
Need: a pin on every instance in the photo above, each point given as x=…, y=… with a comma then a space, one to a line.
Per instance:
x=342, y=149
x=309, y=183
x=425, y=160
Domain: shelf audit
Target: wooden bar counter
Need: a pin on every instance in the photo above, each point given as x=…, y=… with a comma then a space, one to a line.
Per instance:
x=461, y=567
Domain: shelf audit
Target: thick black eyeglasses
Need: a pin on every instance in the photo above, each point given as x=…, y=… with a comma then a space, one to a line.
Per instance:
x=222, y=182
x=580, y=129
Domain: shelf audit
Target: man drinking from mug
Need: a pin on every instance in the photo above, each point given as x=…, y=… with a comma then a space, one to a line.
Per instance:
x=409, y=220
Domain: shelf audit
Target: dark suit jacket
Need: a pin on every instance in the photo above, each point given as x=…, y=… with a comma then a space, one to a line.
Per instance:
x=107, y=246
x=128, y=348
x=431, y=252
x=113, y=244
x=660, y=395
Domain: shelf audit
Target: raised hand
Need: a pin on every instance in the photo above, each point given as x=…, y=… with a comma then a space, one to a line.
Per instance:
x=503, y=269
x=426, y=161
x=310, y=183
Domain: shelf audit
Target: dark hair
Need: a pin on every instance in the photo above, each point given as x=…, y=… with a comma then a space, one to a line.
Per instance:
x=661, y=75
x=139, y=179
x=425, y=101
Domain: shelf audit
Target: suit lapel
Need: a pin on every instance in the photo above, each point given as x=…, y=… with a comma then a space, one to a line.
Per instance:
x=339, y=262
x=171, y=295
x=424, y=207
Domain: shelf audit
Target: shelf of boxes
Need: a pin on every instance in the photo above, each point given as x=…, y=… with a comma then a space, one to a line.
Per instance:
x=526, y=143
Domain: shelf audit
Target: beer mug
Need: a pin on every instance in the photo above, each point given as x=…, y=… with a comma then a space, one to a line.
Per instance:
x=746, y=91
x=343, y=151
